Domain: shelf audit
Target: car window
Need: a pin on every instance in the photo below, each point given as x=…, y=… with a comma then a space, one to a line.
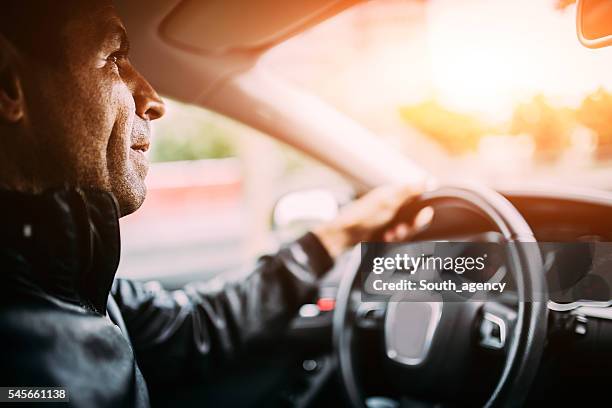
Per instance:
x=211, y=188
x=467, y=89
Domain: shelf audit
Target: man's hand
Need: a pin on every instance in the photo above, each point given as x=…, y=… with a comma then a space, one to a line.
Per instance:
x=371, y=214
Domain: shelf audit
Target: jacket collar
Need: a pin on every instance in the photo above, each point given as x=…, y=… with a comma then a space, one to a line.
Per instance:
x=69, y=240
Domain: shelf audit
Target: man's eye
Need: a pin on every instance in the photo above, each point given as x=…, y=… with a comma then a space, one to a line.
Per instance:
x=116, y=57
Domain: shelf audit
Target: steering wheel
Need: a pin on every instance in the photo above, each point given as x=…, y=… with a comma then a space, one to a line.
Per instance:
x=443, y=332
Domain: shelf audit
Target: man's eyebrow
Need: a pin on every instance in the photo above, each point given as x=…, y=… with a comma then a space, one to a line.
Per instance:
x=123, y=38
x=116, y=32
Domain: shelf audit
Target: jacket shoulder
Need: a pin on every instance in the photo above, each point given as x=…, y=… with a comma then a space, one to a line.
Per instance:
x=46, y=346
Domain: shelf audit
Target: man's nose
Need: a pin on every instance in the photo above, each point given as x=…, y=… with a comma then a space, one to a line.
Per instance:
x=149, y=106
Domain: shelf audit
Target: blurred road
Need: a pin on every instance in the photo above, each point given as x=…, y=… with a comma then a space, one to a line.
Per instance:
x=189, y=226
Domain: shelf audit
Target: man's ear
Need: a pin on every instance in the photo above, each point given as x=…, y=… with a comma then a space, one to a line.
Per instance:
x=11, y=94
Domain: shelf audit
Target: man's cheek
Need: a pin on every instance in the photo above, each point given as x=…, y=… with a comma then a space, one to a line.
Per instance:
x=126, y=111
x=123, y=108
x=118, y=151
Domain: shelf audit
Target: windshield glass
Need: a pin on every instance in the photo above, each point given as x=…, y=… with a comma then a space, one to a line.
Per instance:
x=494, y=91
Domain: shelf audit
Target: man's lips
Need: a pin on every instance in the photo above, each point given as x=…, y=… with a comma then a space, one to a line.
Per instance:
x=141, y=145
x=140, y=135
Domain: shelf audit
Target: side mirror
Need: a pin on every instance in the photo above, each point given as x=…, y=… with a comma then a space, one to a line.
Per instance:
x=298, y=211
x=594, y=23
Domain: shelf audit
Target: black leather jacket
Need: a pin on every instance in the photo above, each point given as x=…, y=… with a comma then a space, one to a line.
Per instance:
x=59, y=326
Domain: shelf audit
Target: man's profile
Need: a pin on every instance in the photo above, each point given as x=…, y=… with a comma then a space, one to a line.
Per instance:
x=75, y=119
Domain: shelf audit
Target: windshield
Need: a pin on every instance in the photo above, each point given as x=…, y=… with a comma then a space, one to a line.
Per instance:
x=468, y=89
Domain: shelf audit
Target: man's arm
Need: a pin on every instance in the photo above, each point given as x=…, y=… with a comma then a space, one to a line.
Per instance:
x=186, y=334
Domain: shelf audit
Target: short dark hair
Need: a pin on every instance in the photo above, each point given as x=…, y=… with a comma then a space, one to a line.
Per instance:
x=34, y=26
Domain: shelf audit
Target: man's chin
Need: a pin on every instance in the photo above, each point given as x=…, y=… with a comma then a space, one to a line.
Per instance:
x=131, y=191
x=130, y=196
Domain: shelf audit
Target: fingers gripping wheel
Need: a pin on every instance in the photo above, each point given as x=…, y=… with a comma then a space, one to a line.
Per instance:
x=524, y=344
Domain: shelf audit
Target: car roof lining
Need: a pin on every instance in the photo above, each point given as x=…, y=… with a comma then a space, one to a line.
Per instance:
x=224, y=26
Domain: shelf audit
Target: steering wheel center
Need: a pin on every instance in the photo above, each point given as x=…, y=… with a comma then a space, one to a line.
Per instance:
x=410, y=328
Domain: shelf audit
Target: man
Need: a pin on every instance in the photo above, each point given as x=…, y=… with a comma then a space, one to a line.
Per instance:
x=74, y=125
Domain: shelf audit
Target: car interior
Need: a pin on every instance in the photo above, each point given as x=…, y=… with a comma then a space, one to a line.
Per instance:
x=337, y=349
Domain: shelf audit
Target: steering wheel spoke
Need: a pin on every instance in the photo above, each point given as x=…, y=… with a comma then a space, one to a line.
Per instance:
x=496, y=325
x=371, y=315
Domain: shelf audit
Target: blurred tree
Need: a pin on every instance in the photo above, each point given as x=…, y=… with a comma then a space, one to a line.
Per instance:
x=457, y=132
x=209, y=144
x=595, y=113
x=549, y=126
x=563, y=4
x=187, y=132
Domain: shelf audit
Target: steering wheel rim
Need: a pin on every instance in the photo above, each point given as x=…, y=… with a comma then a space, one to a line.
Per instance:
x=527, y=342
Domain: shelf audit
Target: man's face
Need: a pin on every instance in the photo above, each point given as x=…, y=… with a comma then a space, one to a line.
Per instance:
x=88, y=111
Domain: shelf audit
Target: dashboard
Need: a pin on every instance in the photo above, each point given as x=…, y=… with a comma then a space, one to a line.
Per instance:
x=566, y=222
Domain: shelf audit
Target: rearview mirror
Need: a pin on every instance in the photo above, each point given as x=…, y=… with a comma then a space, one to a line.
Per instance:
x=298, y=211
x=594, y=23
